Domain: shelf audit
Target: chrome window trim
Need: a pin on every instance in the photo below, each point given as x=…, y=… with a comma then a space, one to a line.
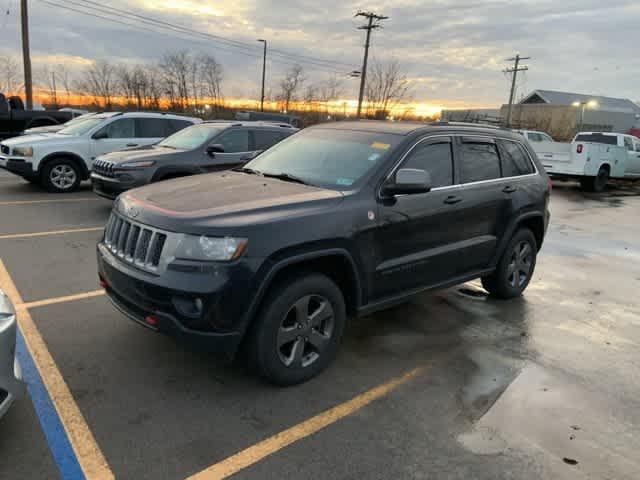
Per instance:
x=461, y=185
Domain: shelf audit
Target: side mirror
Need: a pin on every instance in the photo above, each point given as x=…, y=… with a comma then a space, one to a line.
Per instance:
x=408, y=181
x=102, y=134
x=215, y=148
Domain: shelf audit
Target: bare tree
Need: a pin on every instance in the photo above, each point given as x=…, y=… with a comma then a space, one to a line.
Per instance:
x=387, y=85
x=176, y=67
x=65, y=79
x=46, y=77
x=10, y=74
x=99, y=82
x=211, y=78
x=290, y=85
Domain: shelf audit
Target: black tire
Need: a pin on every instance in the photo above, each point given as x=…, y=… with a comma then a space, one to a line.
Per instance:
x=284, y=328
x=515, y=268
x=61, y=175
x=596, y=184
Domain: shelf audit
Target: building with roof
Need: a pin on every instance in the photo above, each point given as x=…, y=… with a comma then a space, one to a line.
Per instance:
x=561, y=114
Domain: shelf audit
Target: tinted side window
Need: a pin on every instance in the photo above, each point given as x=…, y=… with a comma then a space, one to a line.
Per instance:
x=152, y=128
x=480, y=161
x=234, y=141
x=535, y=137
x=628, y=144
x=597, y=138
x=514, y=160
x=177, y=125
x=123, y=128
x=264, y=139
x=436, y=159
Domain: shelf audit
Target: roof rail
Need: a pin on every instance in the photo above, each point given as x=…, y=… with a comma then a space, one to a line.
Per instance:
x=466, y=124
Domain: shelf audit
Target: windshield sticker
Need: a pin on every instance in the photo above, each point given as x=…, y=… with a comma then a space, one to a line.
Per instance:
x=374, y=156
x=380, y=145
x=344, y=181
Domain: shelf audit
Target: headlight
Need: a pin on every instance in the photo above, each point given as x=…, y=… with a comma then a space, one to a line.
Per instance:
x=23, y=151
x=192, y=247
x=148, y=163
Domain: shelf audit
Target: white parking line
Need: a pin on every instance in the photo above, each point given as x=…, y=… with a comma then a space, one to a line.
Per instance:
x=11, y=203
x=51, y=232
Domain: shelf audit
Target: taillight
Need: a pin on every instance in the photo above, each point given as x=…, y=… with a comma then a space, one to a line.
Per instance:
x=151, y=320
x=580, y=148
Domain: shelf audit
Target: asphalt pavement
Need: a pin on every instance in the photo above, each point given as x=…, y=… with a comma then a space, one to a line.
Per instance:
x=452, y=384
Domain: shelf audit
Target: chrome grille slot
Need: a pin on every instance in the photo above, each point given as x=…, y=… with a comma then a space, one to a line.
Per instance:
x=134, y=243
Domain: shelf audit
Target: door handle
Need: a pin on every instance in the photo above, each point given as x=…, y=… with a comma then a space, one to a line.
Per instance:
x=451, y=199
x=132, y=144
x=509, y=189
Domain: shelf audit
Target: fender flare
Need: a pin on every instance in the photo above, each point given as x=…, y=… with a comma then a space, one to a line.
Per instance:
x=267, y=281
x=74, y=156
x=511, y=230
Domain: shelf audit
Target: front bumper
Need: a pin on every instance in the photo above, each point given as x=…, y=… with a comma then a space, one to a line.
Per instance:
x=218, y=326
x=18, y=166
x=11, y=385
x=109, y=187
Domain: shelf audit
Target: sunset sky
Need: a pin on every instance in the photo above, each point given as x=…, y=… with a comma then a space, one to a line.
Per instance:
x=453, y=51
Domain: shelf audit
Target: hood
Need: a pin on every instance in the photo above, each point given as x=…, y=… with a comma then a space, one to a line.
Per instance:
x=140, y=153
x=230, y=199
x=42, y=138
x=47, y=129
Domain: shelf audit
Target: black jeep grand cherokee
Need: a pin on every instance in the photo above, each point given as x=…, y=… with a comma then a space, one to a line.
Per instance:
x=336, y=221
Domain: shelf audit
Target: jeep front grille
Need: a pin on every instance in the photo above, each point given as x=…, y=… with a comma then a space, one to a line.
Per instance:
x=102, y=167
x=133, y=243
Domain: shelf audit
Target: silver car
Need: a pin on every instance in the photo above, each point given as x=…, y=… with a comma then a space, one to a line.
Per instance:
x=11, y=386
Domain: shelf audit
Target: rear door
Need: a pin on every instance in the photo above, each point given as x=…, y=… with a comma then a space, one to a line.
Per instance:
x=419, y=235
x=486, y=201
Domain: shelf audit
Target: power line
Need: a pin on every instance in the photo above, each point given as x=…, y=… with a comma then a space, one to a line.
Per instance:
x=240, y=47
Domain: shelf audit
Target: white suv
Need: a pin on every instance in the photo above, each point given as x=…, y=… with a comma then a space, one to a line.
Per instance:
x=60, y=161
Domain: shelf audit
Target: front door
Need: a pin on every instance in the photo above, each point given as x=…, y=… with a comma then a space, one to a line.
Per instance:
x=417, y=234
x=237, y=150
x=633, y=156
x=120, y=134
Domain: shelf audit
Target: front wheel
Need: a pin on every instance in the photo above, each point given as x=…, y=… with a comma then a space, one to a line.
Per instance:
x=516, y=267
x=61, y=176
x=298, y=331
x=596, y=184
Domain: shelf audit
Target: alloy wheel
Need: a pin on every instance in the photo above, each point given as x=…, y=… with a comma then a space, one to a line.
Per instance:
x=519, y=267
x=63, y=176
x=305, y=331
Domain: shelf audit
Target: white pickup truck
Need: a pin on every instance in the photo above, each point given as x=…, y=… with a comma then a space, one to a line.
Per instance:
x=592, y=158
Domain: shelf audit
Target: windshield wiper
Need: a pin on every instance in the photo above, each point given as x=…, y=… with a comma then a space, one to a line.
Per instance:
x=287, y=177
x=250, y=171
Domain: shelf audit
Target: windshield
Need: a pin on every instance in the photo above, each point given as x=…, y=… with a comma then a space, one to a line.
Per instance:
x=190, y=137
x=80, y=128
x=329, y=158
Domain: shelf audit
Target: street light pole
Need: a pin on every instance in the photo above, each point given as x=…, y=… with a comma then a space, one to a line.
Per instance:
x=264, y=69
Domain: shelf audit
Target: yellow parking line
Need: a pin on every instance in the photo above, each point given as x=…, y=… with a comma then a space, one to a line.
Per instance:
x=257, y=452
x=54, y=200
x=51, y=232
x=90, y=457
x=53, y=301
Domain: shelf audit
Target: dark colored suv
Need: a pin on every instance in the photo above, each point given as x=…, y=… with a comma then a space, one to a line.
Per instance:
x=338, y=220
x=202, y=148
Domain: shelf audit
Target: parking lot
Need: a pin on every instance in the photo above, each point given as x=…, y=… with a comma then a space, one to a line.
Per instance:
x=451, y=385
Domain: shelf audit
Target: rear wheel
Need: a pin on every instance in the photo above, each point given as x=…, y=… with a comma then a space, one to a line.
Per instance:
x=597, y=183
x=516, y=267
x=61, y=176
x=298, y=331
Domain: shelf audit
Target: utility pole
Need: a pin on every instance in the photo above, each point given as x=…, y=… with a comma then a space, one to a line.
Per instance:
x=26, y=56
x=264, y=69
x=514, y=71
x=372, y=23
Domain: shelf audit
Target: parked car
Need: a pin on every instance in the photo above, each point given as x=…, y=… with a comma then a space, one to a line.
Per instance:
x=592, y=158
x=535, y=136
x=202, y=148
x=14, y=119
x=60, y=161
x=245, y=115
x=11, y=386
x=57, y=128
x=340, y=219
